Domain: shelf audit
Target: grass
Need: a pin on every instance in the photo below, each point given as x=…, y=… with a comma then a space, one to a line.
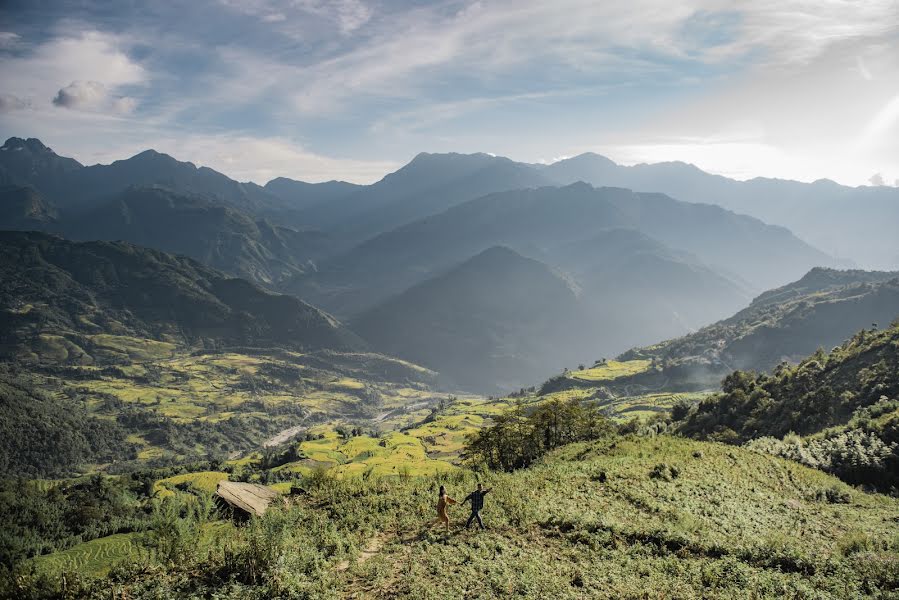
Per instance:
x=205, y=481
x=591, y=520
x=611, y=370
x=131, y=348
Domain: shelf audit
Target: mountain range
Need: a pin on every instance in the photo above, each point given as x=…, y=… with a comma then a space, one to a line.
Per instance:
x=854, y=223
x=633, y=267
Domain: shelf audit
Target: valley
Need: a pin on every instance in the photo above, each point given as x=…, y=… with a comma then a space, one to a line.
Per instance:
x=656, y=390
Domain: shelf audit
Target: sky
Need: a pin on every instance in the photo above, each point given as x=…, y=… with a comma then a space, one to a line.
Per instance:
x=352, y=89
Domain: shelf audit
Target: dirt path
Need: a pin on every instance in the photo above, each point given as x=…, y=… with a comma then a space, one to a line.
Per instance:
x=373, y=546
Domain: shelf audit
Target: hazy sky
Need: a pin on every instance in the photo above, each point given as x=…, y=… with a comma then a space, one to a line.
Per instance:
x=351, y=89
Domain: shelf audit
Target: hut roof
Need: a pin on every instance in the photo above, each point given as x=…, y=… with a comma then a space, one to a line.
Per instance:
x=248, y=497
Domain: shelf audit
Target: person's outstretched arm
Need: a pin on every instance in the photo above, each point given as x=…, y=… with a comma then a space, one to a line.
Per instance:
x=467, y=498
x=450, y=500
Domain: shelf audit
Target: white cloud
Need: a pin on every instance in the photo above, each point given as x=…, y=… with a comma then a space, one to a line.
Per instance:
x=405, y=51
x=92, y=95
x=876, y=180
x=347, y=15
x=260, y=159
x=49, y=69
x=863, y=68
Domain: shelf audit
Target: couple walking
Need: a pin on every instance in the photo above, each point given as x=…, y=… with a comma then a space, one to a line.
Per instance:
x=477, y=503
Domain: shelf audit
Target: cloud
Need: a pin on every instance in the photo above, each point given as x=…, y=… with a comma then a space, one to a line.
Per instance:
x=92, y=95
x=9, y=103
x=863, y=68
x=8, y=39
x=347, y=15
x=260, y=159
x=82, y=71
x=876, y=180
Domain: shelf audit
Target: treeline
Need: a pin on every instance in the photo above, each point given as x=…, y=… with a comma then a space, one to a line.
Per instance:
x=517, y=439
x=37, y=521
x=847, y=400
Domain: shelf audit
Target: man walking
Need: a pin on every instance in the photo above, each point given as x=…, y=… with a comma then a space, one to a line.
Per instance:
x=477, y=503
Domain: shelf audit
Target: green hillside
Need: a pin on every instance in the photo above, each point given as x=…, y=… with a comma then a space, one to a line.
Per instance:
x=622, y=517
x=91, y=303
x=844, y=400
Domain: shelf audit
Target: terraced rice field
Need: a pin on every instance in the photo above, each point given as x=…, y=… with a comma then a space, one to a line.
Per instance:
x=95, y=557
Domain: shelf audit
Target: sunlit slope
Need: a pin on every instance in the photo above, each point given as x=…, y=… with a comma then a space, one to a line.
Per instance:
x=621, y=517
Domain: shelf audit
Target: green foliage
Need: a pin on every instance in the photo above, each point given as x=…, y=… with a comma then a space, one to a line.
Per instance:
x=37, y=521
x=517, y=439
x=820, y=310
x=47, y=436
x=842, y=396
x=591, y=510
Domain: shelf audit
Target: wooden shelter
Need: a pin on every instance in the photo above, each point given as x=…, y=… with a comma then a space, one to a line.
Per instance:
x=245, y=499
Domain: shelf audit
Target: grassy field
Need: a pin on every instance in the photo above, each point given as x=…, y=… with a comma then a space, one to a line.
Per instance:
x=623, y=517
x=611, y=370
x=204, y=481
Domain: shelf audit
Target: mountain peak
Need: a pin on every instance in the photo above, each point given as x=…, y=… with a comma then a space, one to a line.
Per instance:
x=591, y=157
x=32, y=144
x=155, y=156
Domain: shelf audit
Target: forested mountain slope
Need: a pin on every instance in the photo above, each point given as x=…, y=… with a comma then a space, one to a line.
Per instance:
x=59, y=298
x=818, y=311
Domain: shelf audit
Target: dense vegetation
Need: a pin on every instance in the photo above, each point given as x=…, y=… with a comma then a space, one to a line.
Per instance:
x=820, y=310
x=518, y=438
x=45, y=518
x=619, y=517
x=46, y=436
x=846, y=399
x=60, y=299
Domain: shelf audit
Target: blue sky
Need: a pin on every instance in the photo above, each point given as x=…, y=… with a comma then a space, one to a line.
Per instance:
x=352, y=89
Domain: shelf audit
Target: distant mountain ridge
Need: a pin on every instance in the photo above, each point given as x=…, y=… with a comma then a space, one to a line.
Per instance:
x=214, y=234
x=534, y=221
x=58, y=296
x=851, y=223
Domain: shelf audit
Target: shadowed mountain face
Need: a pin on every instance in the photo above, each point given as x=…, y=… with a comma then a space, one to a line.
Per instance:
x=491, y=323
x=820, y=310
x=299, y=195
x=58, y=296
x=428, y=185
x=74, y=188
x=518, y=318
x=534, y=222
x=214, y=234
x=23, y=208
x=30, y=162
x=852, y=223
